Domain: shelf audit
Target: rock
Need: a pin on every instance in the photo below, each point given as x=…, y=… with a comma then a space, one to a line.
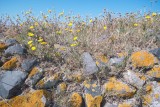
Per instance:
x=115, y=87
x=10, y=64
x=11, y=41
x=156, y=52
x=101, y=60
x=15, y=49
x=143, y=59
x=48, y=82
x=154, y=73
x=152, y=98
x=28, y=64
x=92, y=94
x=3, y=46
x=110, y=105
x=34, y=76
x=89, y=64
x=11, y=82
x=116, y=61
x=62, y=87
x=37, y=98
x=132, y=79
x=75, y=100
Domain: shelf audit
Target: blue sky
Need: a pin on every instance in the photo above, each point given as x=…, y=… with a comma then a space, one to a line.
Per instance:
x=82, y=7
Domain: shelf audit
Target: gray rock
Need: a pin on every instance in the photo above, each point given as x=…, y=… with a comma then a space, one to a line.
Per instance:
x=133, y=79
x=28, y=64
x=15, y=49
x=11, y=83
x=11, y=41
x=93, y=89
x=116, y=61
x=89, y=64
x=154, y=94
x=156, y=52
x=110, y=105
x=34, y=79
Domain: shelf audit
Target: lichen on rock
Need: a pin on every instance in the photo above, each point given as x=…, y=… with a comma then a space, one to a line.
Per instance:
x=75, y=100
x=143, y=59
x=10, y=64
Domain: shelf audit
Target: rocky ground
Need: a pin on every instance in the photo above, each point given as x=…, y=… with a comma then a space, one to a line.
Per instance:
x=26, y=81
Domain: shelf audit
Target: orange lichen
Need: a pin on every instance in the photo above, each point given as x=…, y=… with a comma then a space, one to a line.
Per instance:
x=10, y=64
x=3, y=46
x=143, y=59
x=124, y=105
x=148, y=88
x=86, y=84
x=156, y=96
x=94, y=85
x=147, y=99
x=118, y=88
x=40, y=83
x=63, y=86
x=33, y=72
x=155, y=72
x=75, y=100
x=102, y=58
x=32, y=99
x=93, y=101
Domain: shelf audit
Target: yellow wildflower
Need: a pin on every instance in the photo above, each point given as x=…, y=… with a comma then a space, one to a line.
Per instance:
x=74, y=44
x=30, y=42
x=135, y=24
x=40, y=40
x=59, y=32
x=148, y=17
x=90, y=20
x=30, y=34
x=154, y=14
x=66, y=29
x=78, y=30
x=70, y=24
x=30, y=45
x=31, y=27
x=36, y=24
x=61, y=14
x=105, y=27
x=33, y=48
x=75, y=38
x=71, y=30
x=49, y=11
x=43, y=43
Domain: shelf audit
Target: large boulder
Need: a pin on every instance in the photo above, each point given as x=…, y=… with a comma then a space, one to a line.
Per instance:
x=11, y=83
x=89, y=64
x=11, y=41
x=15, y=49
x=28, y=64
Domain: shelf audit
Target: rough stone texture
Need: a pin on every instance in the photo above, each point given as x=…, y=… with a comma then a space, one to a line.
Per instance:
x=48, y=82
x=37, y=98
x=15, y=49
x=62, y=87
x=101, y=60
x=115, y=87
x=133, y=79
x=28, y=64
x=92, y=94
x=110, y=105
x=75, y=100
x=11, y=41
x=152, y=98
x=143, y=59
x=156, y=52
x=10, y=64
x=89, y=64
x=10, y=83
x=34, y=76
x=2, y=46
x=154, y=73
x=116, y=61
